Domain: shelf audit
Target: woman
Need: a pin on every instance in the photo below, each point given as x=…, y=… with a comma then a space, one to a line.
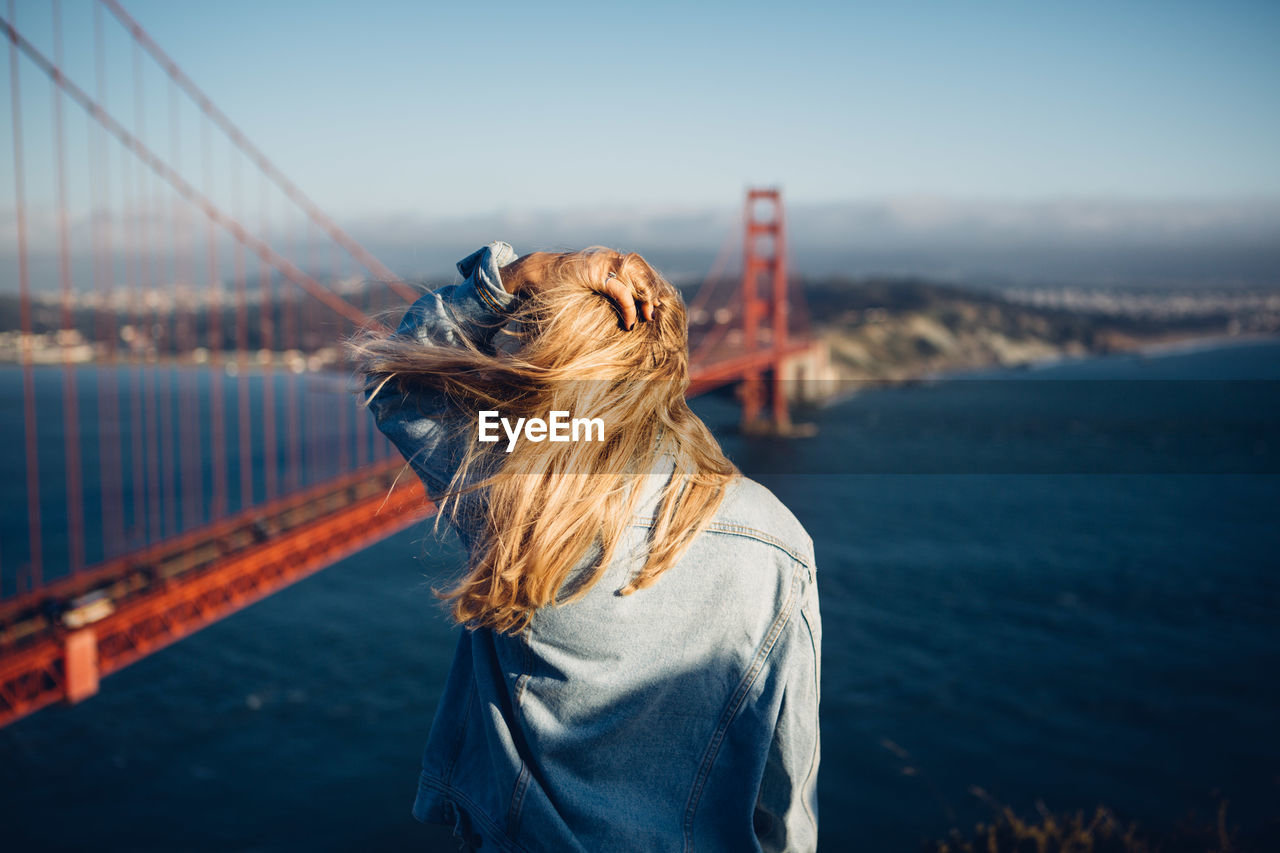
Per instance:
x=639, y=665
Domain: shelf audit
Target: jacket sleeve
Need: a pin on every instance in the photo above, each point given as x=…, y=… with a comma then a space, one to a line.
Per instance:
x=470, y=311
x=787, y=809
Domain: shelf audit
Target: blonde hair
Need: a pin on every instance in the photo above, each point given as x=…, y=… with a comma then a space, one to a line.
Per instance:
x=545, y=506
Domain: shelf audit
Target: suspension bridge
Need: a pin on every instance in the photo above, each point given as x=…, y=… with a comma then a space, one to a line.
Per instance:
x=180, y=437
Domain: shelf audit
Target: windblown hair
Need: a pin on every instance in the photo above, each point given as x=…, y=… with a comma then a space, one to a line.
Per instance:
x=546, y=509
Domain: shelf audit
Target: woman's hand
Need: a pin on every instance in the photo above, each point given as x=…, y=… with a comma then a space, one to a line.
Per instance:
x=529, y=272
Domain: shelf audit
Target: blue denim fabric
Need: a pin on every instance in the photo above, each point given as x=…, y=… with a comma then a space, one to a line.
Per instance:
x=681, y=717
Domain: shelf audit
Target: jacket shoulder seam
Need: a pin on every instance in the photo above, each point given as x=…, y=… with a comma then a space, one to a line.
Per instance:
x=730, y=529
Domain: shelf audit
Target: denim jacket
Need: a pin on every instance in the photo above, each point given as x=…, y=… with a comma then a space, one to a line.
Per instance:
x=681, y=717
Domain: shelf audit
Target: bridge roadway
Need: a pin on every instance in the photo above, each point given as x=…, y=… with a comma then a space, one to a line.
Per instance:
x=56, y=643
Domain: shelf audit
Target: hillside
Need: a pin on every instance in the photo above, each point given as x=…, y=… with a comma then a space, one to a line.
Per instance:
x=899, y=329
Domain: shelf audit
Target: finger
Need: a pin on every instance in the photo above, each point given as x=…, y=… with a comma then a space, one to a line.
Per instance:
x=646, y=308
x=621, y=296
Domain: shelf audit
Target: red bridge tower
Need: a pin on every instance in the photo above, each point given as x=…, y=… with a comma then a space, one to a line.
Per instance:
x=764, y=310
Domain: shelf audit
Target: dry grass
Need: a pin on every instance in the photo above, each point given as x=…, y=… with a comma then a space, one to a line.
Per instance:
x=1102, y=832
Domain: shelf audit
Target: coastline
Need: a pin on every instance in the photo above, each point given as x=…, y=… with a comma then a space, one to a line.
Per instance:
x=845, y=387
x=1201, y=343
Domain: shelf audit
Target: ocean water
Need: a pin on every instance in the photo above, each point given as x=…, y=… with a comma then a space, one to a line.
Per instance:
x=1019, y=607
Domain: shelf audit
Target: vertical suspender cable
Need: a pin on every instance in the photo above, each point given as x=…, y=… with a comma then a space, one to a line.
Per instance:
x=217, y=416
x=166, y=301
x=244, y=438
x=109, y=434
x=70, y=401
x=133, y=272
x=184, y=304
x=35, y=570
x=311, y=420
x=362, y=424
x=289, y=335
x=146, y=267
x=343, y=437
x=266, y=308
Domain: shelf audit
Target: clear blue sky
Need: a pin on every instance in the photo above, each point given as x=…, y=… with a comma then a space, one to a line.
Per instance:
x=471, y=108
